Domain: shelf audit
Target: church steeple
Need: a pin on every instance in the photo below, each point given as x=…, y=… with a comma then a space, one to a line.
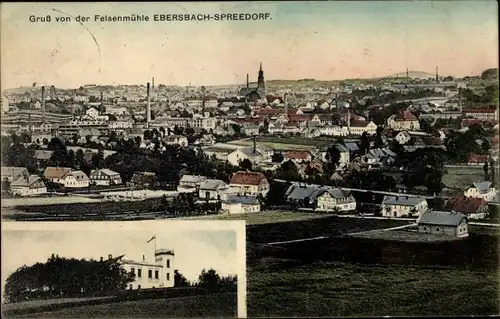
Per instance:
x=261, y=85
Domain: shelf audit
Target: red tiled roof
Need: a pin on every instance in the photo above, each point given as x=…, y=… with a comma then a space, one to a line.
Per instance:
x=405, y=116
x=467, y=122
x=247, y=178
x=267, y=111
x=271, y=98
x=302, y=155
x=464, y=204
x=355, y=123
x=473, y=158
x=248, y=120
x=480, y=110
x=299, y=118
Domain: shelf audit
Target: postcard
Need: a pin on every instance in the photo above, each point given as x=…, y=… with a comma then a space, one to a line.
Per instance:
x=354, y=143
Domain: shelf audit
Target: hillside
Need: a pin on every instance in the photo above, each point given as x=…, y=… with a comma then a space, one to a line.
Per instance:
x=413, y=75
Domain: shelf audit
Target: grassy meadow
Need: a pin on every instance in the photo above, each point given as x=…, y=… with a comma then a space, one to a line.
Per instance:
x=346, y=289
x=212, y=305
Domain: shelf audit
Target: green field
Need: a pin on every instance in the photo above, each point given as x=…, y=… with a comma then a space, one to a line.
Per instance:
x=341, y=289
x=269, y=217
x=213, y=305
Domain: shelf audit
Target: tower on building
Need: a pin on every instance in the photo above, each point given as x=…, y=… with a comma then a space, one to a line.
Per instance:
x=261, y=84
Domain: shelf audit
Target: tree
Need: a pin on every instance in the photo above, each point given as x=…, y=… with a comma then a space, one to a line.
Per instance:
x=180, y=280
x=67, y=278
x=209, y=280
x=278, y=158
x=364, y=144
x=246, y=164
x=486, y=171
x=379, y=143
x=333, y=155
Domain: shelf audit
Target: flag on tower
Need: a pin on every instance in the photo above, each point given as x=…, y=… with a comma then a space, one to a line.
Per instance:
x=154, y=237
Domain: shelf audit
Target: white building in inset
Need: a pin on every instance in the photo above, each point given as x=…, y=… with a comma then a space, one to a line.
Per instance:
x=157, y=273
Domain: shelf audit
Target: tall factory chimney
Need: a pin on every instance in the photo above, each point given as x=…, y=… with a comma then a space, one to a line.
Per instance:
x=437, y=75
x=407, y=75
x=247, y=90
x=285, y=101
x=102, y=97
x=43, y=104
x=148, y=114
x=153, y=89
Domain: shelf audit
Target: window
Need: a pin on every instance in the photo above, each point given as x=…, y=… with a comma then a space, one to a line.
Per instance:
x=425, y=228
x=437, y=228
x=132, y=270
x=150, y=274
x=156, y=274
x=138, y=286
x=168, y=263
x=139, y=273
x=168, y=276
x=131, y=287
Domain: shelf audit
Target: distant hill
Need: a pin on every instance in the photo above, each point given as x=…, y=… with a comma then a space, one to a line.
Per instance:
x=413, y=75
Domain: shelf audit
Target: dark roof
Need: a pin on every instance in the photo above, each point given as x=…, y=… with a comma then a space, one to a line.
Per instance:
x=441, y=218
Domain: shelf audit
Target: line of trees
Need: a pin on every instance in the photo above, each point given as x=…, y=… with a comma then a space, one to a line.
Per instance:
x=209, y=280
x=66, y=277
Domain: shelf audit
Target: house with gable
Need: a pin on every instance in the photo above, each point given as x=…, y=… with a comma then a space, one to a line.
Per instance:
x=28, y=186
x=334, y=199
x=443, y=223
x=473, y=208
x=484, y=190
x=190, y=183
x=213, y=189
x=403, y=206
x=249, y=183
x=403, y=121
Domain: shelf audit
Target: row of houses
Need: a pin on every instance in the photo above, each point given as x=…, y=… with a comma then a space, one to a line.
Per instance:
x=22, y=183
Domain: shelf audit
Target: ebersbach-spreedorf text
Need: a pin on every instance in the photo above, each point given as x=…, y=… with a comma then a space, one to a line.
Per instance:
x=185, y=17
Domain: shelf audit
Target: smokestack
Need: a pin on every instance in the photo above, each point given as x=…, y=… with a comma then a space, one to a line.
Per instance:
x=152, y=89
x=143, y=257
x=407, y=75
x=102, y=97
x=43, y=104
x=437, y=75
x=248, y=83
x=285, y=100
x=148, y=114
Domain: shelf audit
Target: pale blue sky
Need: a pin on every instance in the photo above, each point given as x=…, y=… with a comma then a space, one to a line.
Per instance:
x=322, y=40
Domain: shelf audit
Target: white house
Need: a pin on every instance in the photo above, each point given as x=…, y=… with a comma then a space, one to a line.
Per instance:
x=213, y=189
x=12, y=173
x=75, y=179
x=403, y=137
x=240, y=205
x=483, y=190
x=359, y=127
x=403, y=121
x=105, y=177
x=56, y=174
x=450, y=224
x=250, y=183
x=176, y=140
x=28, y=186
x=399, y=206
x=190, y=183
x=157, y=273
x=331, y=199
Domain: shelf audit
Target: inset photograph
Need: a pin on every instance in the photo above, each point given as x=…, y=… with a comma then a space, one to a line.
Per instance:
x=145, y=269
